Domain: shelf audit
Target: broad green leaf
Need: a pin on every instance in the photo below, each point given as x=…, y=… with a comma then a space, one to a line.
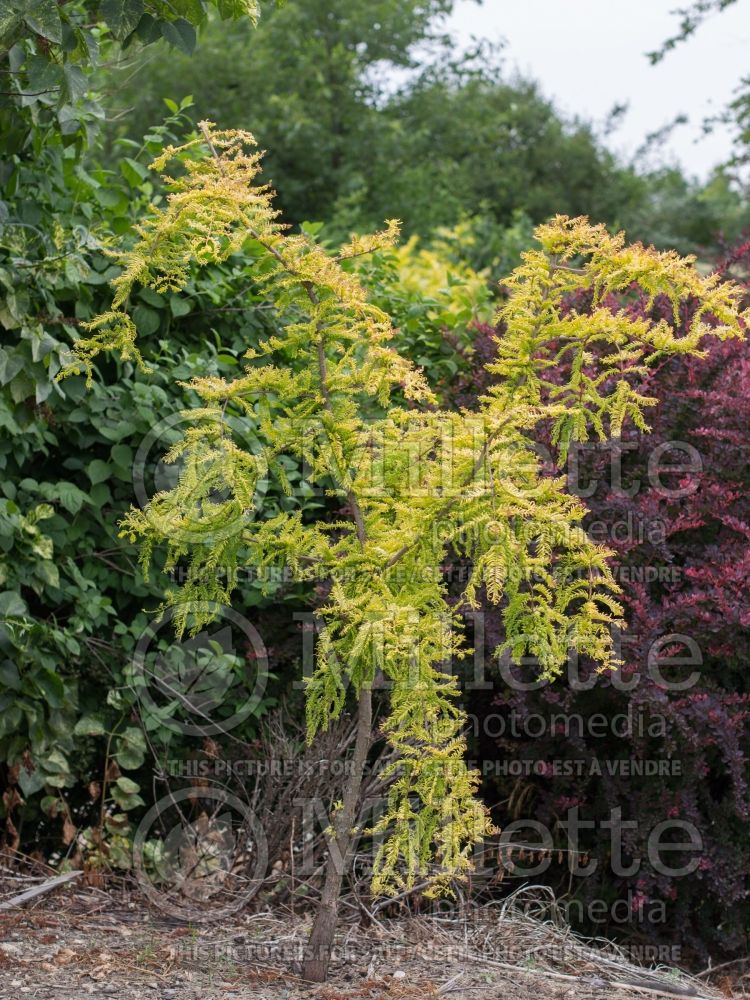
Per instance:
x=178, y=306
x=55, y=762
x=55, y=780
x=118, y=431
x=12, y=605
x=127, y=785
x=89, y=725
x=11, y=363
x=147, y=320
x=51, y=805
x=133, y=171
x=181, y=34
x=10, y=21
x=98, y=471
x=31, y=782
x=101, y=495
x=52, y=687
x=42, y=546
x=126, y=800
x=75, y=83
x=43, y=17
x=122, y=16
x=148, y=29
x=71, y=497
x=130, y=749
x=153, y=298
x=122, y=455
x=9, y=676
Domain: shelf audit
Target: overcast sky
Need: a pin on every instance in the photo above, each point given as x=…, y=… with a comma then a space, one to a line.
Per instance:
x=589, y=55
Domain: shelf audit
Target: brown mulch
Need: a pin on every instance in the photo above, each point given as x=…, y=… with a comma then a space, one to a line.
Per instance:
x=84, y=942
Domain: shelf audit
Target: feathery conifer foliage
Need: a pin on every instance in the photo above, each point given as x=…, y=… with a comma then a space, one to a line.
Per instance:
x=330, y=389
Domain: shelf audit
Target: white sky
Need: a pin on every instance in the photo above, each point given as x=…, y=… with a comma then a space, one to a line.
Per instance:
x=589, y=55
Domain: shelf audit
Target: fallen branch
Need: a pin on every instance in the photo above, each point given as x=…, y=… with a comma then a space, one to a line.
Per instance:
x=39, y=890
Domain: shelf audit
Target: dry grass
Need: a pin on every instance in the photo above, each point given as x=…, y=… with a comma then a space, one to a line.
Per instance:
x=84, y=940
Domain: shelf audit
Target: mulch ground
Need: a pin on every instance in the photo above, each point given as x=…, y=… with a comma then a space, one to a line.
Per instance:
x=86, y=943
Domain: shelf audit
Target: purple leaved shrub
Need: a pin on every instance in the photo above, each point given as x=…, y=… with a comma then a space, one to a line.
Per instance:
x=607, y=772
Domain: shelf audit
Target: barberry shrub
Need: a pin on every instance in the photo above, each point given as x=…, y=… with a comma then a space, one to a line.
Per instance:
x=330, y=389
x=674, y=505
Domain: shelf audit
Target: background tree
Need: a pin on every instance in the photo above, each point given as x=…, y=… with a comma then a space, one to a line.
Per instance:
x=308, y=79
x=358, y=129
x=691, y=18
x=737, y=112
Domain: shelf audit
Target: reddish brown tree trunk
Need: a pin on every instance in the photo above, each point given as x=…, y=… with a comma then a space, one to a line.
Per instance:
x=320, y=943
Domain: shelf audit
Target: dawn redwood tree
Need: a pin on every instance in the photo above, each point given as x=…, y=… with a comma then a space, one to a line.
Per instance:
x=414, y=480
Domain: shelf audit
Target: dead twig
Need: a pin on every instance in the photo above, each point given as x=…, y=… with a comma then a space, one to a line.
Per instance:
x=39, y=890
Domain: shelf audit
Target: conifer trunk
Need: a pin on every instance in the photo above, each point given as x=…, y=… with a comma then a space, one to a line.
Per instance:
x=320, y=943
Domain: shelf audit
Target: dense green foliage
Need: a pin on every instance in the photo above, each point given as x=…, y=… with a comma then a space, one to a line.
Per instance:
x=72, y=605
x=73, y=601
x=49, y=50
